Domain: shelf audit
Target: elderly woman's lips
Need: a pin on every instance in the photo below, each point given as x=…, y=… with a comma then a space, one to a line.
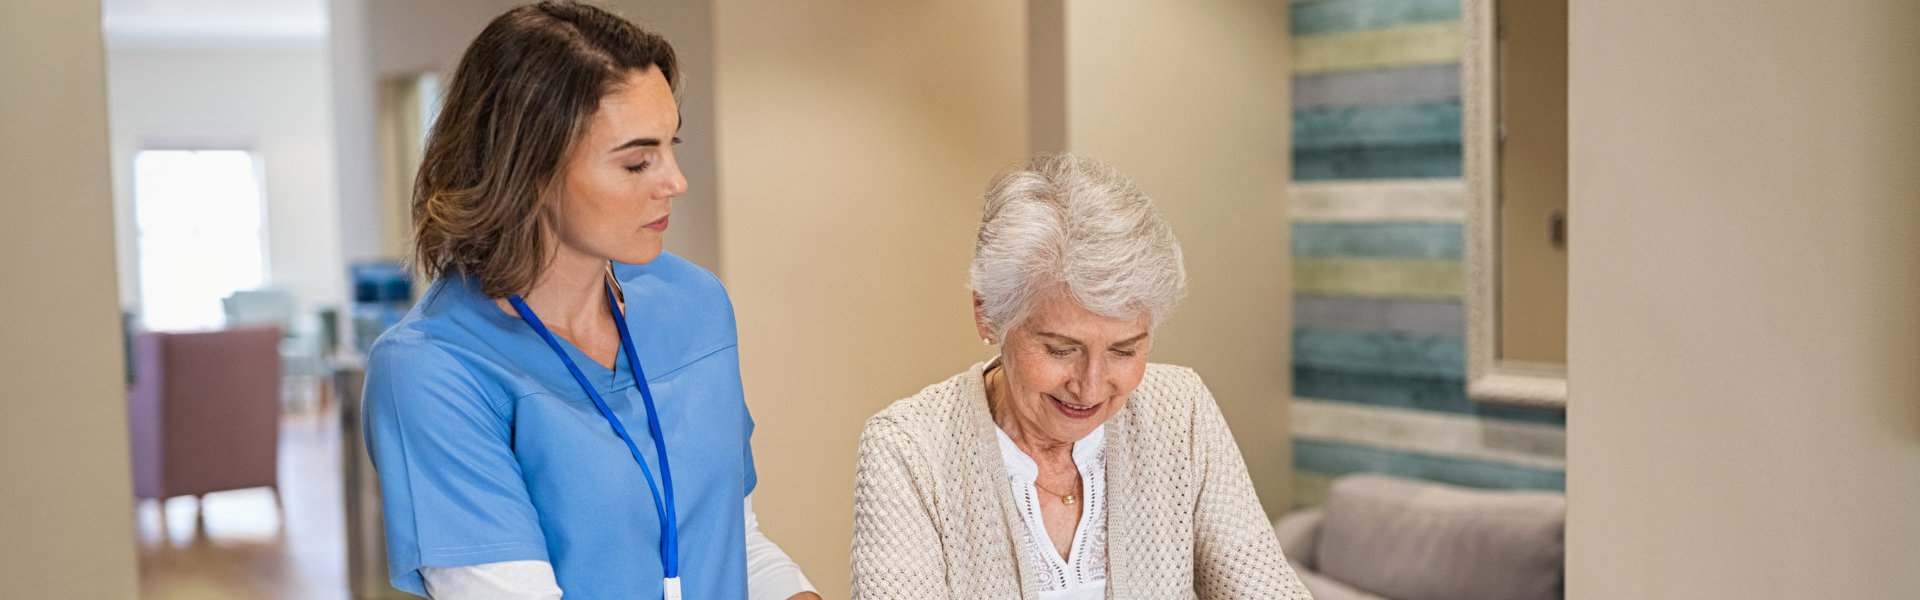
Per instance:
x=1075, y=411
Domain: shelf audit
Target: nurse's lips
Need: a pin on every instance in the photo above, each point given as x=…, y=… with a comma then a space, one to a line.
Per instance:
x=659, y=225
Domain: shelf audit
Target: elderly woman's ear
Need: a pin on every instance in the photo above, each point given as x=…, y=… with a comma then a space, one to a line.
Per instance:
x=980, y=322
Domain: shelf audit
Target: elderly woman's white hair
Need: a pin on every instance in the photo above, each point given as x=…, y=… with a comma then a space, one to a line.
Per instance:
x=1068, y=221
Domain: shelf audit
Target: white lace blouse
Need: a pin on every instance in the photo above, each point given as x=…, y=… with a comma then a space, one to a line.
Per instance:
x=1083, y=574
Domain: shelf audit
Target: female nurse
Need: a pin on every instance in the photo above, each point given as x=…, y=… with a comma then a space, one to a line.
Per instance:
x=562, y=410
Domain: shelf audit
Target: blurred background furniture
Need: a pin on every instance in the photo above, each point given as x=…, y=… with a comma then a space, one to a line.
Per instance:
x=204, y=412
x=1386, y=538
x=366, y=539
x=302, y=349
x=382, y=295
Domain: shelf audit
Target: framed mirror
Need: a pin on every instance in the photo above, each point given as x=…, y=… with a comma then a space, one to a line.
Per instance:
x=1514, y=95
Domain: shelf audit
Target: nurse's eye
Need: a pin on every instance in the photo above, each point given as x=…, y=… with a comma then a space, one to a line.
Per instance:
x=639, y=167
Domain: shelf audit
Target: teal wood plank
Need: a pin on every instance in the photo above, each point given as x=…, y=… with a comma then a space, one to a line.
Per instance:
x=1432, y=241
x=1334, y=16
x=1333, y=459
x=1435, y=394
x=1425, y=83
x=1386, y=353
x=1378, y=162
x=1410, y=124
x=1360, y=313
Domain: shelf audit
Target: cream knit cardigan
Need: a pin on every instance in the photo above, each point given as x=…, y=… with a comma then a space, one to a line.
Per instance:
x=934, y=516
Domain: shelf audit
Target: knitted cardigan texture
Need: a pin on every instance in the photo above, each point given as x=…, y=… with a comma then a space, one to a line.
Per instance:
x=934, y=516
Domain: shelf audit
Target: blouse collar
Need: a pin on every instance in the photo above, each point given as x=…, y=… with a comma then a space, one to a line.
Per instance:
x=1085, y=453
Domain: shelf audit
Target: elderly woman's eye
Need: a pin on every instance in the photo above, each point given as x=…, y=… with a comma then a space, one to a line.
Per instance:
x=1125, y=353
x=1059, y=351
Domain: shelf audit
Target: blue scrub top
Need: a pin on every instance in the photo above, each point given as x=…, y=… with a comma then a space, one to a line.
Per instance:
x=488, y=450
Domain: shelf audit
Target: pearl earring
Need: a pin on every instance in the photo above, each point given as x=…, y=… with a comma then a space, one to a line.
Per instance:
x=986, y=341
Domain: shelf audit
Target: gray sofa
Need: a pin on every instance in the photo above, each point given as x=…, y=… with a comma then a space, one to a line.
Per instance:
x=1385, y=538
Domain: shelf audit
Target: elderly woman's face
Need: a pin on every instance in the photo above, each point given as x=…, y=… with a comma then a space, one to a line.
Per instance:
x=620, y=182
x=1069, y=369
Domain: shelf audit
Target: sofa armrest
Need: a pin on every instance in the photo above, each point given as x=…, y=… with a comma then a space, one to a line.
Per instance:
x=1299, y=531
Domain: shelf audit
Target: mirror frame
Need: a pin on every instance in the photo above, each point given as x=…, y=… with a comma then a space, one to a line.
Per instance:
x=1489, y=378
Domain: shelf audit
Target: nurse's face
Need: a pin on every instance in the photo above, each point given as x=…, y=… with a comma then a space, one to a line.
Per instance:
x=612, y=201
x=1069, y=369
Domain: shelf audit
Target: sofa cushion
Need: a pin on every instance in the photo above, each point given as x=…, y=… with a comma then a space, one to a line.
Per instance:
x=1298, y=532
x=1326, y=588
x=1412, y=540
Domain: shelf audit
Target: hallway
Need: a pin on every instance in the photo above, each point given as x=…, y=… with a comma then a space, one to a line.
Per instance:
x=242, y=548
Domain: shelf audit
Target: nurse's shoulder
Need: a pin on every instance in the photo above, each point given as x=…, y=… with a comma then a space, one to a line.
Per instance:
x=671, y=279
x=678, y=304
x=417, y=371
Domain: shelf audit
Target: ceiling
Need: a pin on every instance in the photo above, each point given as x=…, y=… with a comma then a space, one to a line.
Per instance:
x=213, y=22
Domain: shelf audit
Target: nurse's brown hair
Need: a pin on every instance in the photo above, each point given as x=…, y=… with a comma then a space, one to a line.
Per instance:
x=522, y=96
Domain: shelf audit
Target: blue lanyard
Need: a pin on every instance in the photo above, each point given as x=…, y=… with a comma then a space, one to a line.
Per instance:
x=669, y=534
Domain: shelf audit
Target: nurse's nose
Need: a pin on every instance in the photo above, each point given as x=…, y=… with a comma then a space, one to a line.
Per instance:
x=675, y=182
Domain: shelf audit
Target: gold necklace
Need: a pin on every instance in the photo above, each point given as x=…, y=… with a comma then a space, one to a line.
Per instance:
x=1067, y=499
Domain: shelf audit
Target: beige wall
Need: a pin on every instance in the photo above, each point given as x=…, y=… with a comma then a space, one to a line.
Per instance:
x=1190, y=101
x=695, y=234
x=66, y=510
x=855, y=139
x=1744, y=419
x=373, y=40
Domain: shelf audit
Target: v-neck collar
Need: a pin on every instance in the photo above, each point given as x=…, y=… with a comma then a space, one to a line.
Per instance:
x=532, y=353
x=1088, y=459
x=987, y=466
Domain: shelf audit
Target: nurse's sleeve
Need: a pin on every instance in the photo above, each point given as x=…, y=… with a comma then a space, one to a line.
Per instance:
x=771, y=574
x=452, y=492
x=511, y=580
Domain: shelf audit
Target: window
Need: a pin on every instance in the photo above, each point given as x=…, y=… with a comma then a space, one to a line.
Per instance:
x=198, y=219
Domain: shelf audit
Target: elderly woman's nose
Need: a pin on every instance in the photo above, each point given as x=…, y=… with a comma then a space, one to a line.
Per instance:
x=1086, y=382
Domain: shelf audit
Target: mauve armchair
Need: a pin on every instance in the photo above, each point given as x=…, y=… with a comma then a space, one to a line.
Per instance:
x=204, y=412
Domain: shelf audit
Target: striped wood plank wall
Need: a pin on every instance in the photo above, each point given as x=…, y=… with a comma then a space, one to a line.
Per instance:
x=1379, y=356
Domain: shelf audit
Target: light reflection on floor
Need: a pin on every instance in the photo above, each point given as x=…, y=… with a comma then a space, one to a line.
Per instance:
x=241, y=547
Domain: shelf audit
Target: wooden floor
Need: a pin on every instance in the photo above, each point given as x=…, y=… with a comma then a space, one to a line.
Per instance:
x=242, y=547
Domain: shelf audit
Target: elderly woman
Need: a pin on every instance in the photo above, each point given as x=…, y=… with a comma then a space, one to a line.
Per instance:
x=1068, y=467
